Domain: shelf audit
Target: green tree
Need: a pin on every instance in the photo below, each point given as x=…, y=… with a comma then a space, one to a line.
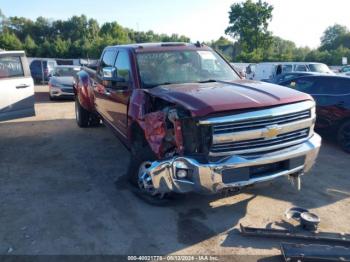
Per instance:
x=249, y=24
x=60, y=47
x=9, y=41
x=2, y=21
x=30, y=46
x=116, y=31
x=330, y=36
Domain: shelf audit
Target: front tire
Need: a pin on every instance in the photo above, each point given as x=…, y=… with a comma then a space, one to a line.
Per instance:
x=343, y=136
x=141, y=158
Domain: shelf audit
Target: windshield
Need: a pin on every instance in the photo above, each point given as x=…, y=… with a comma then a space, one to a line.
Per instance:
x=178, y=67
x=319, y=68
x=66, y=71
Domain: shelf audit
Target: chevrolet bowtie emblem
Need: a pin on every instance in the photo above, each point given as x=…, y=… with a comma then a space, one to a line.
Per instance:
x=272, y=131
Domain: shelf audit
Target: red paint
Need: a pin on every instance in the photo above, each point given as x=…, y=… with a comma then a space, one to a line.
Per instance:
x=199, y=99
x=155, y=131
x=205, y=99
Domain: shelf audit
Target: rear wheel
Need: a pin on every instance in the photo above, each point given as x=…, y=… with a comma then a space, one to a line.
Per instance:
x=343, y=136
x=82, y=116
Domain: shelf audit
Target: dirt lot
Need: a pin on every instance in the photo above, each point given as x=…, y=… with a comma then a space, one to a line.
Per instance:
x=63, y=191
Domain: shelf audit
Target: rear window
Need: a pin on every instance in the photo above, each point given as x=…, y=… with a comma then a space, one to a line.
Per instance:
x=319, y=68
x=11, y=66
x=51, y=64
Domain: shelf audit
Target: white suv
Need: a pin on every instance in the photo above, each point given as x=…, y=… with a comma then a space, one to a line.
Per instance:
x=16, y=86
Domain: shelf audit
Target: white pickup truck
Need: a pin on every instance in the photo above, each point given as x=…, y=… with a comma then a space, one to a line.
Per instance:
x=16, y=86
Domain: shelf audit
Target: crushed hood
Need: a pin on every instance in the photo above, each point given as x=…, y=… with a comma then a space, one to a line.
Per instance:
x=203, y=99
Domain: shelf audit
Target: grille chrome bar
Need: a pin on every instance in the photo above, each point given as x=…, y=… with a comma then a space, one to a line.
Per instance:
x=259, y=133
x=262, y=130
x=247, y=125
x=248, y=145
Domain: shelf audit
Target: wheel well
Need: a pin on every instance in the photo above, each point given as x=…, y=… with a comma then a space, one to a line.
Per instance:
x=136, y=132
x=342, y=121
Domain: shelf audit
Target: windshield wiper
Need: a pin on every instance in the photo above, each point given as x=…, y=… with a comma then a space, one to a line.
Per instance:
x=155, y=85
x=208, y=81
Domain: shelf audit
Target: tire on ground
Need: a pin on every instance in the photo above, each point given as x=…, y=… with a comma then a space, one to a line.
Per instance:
x=82, y=115
x=343, y=136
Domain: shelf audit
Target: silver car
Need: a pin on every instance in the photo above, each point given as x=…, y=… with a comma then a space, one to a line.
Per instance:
x=61, y=82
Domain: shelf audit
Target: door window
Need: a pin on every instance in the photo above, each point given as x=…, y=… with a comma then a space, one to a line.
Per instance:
x=306, y=85
x=107, y=59
x=123, y=66
x=11, y=66
x=287, y=68
x=300, y=68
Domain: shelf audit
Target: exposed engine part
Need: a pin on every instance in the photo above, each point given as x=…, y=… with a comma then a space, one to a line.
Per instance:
x=172, y=115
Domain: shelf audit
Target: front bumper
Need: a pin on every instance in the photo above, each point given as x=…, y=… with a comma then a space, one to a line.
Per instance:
x=211, y=177
x=61, y=92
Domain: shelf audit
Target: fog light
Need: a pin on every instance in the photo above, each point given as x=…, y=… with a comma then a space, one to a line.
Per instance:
x=181, y=173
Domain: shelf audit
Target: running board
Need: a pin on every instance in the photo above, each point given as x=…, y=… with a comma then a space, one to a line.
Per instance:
x=313, y=253
x=338, y=238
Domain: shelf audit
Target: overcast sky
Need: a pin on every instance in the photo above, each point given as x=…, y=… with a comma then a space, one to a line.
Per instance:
x=302, y=21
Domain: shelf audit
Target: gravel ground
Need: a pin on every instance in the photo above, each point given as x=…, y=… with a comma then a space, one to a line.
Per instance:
x=63, y=191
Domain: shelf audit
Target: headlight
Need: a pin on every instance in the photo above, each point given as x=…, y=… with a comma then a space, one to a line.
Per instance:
x=181, y=173
x=181, y=169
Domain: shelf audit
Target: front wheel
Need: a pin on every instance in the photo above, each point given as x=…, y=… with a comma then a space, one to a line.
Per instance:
x=343, y=136
x=140, y=161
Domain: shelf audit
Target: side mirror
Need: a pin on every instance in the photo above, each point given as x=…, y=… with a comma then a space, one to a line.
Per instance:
x=109, y=73
x=112, y=80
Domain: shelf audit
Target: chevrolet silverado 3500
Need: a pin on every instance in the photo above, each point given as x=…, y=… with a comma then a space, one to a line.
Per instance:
x=191, y=123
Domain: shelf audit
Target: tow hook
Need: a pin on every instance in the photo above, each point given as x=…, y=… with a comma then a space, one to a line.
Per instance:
x=230, y=191
x=295, y=180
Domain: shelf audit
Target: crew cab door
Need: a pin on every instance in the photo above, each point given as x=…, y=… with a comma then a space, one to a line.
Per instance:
x=116, y=96
x=107, y=60
x=16, y=87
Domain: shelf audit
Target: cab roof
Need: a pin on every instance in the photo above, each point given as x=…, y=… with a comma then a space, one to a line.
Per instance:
x=162, y=46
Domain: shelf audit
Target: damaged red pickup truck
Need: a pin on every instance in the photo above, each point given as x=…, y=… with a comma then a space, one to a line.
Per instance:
x=191, y=123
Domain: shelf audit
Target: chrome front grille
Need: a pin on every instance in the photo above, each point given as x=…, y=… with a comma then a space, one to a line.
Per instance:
x=260, y=123
x=261, y=130
x=249, y=145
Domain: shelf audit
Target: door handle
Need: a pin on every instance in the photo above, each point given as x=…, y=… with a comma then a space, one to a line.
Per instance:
x=22, y=86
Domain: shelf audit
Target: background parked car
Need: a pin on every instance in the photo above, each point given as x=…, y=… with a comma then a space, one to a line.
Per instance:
x=41, y=69
x=291, y=75
x=241, y=68
x=345, y=70
x=61, y=82
x=270, y=70
x=332, y=96
x=16, y=86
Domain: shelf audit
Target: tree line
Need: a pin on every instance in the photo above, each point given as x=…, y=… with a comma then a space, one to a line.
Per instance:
x=249, y=38
x=248, y=26
x=76, y=37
